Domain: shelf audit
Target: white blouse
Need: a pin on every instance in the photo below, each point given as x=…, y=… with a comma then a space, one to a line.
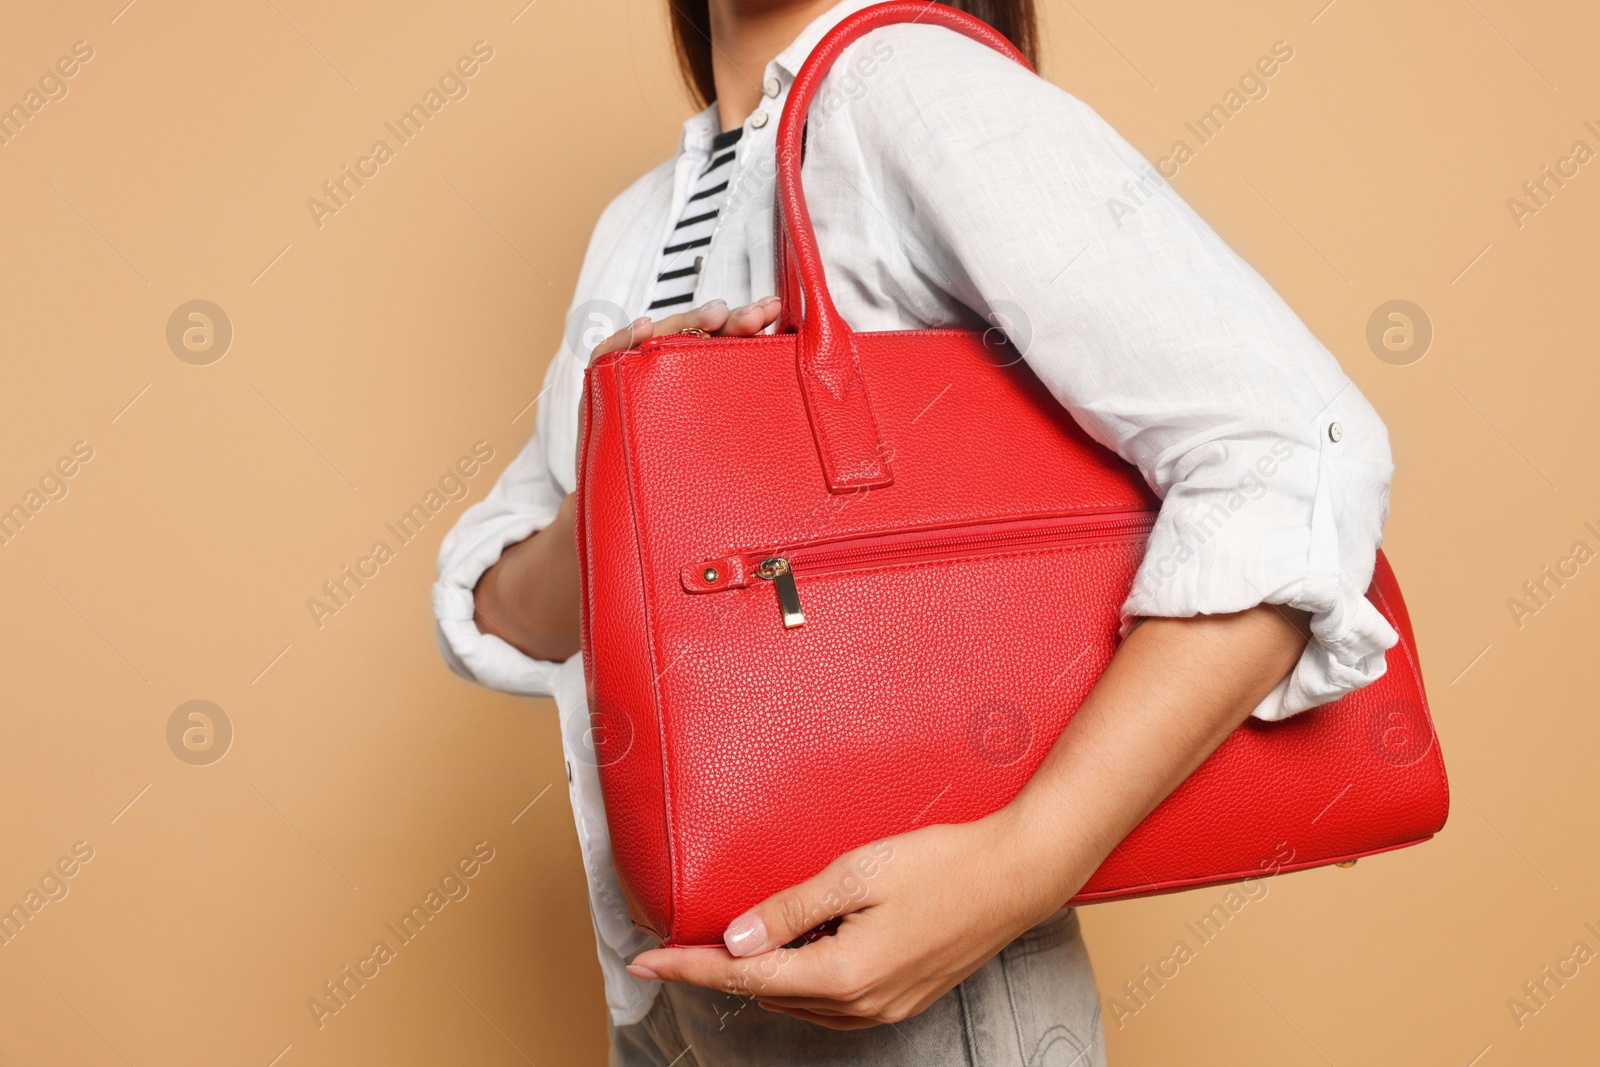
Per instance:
x=949, y=186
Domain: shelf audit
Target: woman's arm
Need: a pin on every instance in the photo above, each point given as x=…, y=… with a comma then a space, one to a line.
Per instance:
x=927, y=908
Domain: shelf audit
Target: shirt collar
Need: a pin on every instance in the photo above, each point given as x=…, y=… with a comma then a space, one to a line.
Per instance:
x=700, y=128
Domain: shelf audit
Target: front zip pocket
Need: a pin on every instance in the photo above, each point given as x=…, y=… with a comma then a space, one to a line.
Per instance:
x=782, y=567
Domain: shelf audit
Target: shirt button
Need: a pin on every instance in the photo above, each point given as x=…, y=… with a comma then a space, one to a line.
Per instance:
x=758, y=119
x=1335, y=432
x=697, y=261
x=773, y=87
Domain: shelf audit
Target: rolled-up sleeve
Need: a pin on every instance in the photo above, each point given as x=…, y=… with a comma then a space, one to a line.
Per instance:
x=1165, y=345
x=523, y=501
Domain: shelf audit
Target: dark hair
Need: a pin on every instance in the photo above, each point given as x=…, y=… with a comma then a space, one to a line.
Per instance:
x=691, y=33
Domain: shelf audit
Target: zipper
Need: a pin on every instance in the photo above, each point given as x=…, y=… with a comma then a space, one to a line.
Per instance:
x=777, y=570
x=782, y=568
x=688, y=333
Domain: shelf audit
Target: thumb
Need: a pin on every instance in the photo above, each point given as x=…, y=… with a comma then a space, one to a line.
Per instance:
x=844, y=886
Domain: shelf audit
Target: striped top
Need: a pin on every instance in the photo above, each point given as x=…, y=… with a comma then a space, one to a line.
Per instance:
x=685, y=248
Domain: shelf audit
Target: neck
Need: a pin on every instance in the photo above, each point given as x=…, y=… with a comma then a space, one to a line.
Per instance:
x=746, y=35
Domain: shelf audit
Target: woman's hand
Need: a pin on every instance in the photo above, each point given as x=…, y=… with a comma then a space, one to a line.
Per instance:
x=712, y=317
x=529, y=597
x=921, y=911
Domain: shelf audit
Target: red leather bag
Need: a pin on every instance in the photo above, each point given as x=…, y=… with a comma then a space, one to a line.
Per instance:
x=816, y=614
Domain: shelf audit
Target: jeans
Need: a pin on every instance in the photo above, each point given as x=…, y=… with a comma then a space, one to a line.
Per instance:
x=1033, y=1005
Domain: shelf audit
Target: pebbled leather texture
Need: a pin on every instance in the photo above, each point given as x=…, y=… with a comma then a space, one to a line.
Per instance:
x=740, y=756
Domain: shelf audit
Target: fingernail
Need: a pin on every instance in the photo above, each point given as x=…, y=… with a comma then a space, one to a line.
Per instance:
x=713, y=304
x=767, y=300
x=746, y=309
x=746, y=935
x=639, y=971
x=639, y=323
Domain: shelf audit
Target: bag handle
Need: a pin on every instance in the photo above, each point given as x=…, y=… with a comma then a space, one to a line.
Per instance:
x=830, y=370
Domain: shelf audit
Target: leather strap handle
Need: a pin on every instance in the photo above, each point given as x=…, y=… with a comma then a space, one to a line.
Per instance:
x=830, y=370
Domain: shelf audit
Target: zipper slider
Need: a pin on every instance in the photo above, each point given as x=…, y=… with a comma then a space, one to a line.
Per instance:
x=777, y=571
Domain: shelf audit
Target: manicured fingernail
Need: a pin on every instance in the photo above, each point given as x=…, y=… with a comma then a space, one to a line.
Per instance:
x=746, y=935
x=639, y=971
x=714, y=305
x=767, y=301
x=639, y=323
x=746, y=309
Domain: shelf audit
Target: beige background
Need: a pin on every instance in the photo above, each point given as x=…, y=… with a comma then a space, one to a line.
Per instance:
x=373, y=352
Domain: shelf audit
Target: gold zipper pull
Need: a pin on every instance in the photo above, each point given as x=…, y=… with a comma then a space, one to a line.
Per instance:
x=777, y=571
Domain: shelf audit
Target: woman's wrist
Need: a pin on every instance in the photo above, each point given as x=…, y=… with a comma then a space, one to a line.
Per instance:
x=1036, y=856
x=490, y=609
x=529, y=597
